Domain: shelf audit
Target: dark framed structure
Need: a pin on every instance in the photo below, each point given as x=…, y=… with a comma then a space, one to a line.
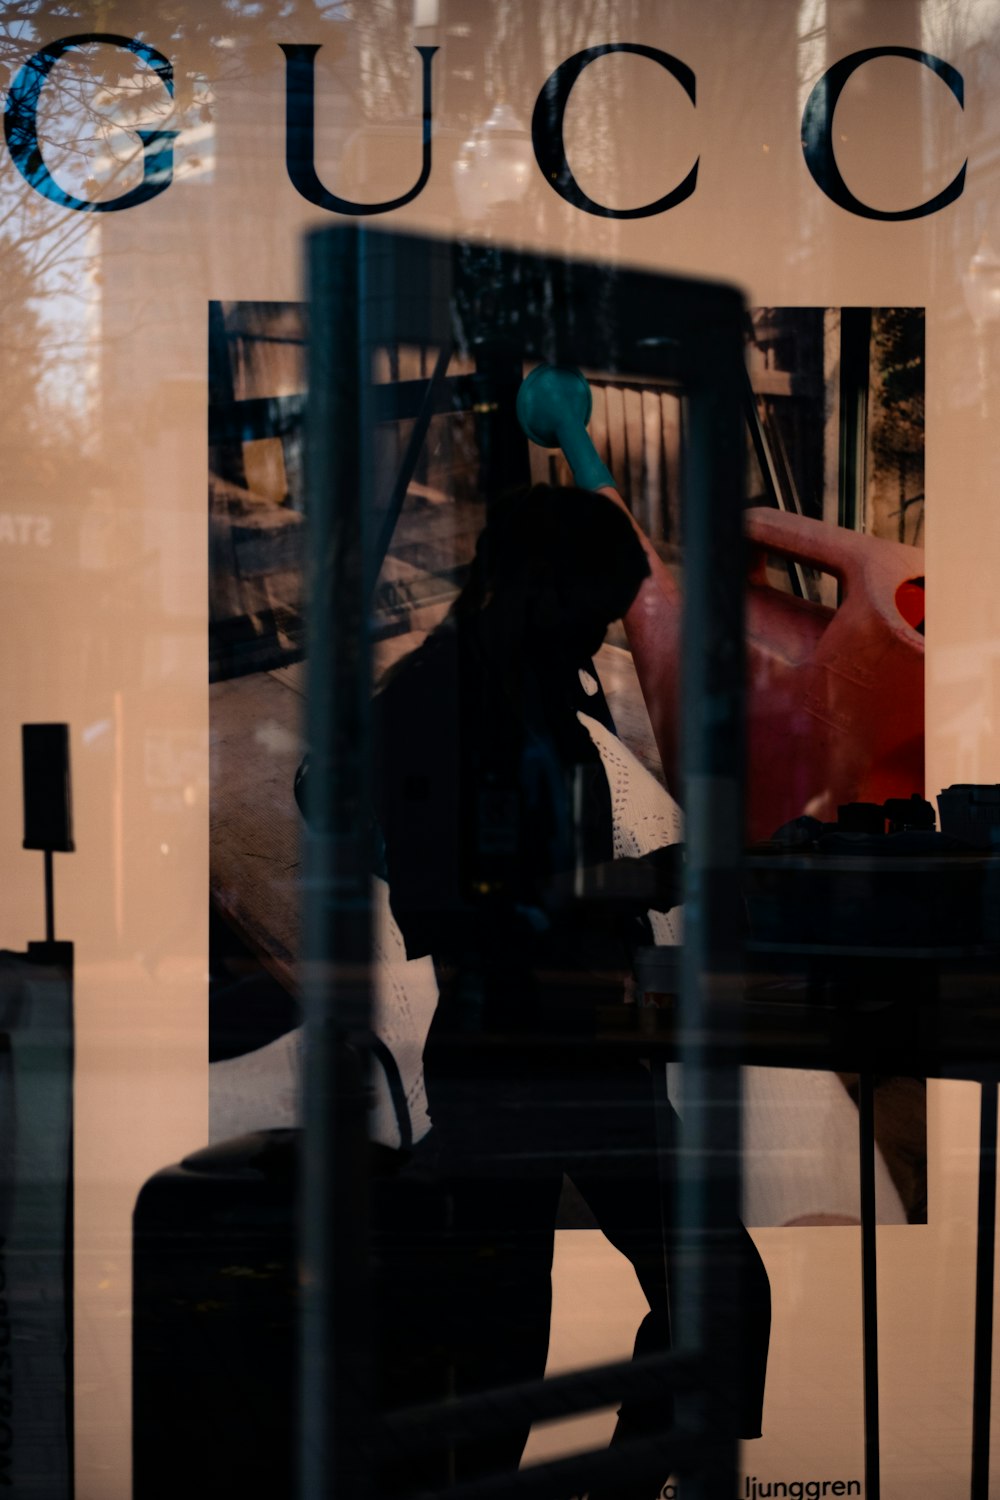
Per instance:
x=503, y=310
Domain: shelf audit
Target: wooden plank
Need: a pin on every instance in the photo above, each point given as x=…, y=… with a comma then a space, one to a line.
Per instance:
x=766, y=382
x=652, y=452
x=292, y=677
x=255, y=825
x=670, y=410
x=634, y=445
x=599, y=421
x=388, y=652
x=617, y=456
x=255, y=874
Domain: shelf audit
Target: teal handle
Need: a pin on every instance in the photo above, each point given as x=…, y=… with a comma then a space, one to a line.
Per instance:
x=553, y=407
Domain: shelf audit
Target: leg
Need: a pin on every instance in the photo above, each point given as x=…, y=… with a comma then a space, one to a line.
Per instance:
x=623, y=1170
x=464, y=1258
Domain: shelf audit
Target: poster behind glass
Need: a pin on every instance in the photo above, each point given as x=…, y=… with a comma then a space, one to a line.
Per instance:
x=834, y=463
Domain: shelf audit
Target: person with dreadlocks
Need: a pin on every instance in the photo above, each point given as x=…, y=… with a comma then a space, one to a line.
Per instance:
x=496, y=816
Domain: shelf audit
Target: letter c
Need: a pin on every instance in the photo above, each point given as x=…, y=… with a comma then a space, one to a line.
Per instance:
x=817, y=133
x=547, y=130
x=21, y=126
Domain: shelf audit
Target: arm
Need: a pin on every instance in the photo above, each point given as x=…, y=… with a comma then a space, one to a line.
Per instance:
x=635, y=884
x=553, y=407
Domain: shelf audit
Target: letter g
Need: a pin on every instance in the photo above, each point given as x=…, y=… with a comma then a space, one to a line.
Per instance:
x=21, y=126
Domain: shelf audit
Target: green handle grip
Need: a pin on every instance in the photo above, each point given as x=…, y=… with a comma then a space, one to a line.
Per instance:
x=553, y=407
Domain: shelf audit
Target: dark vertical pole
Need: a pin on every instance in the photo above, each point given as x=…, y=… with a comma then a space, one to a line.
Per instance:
x=69, y=1273
x=707, y=1306
x=414, y=443
x=869, y=1285
x=222, y=391
x=50, y=900
x=982, y=1377
x=48, y=825
x=768, y=466
x=334, y=1408
x=855, y=355
x=504, y=461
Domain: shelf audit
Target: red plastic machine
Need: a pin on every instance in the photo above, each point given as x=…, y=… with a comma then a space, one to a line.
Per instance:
x=835, y=696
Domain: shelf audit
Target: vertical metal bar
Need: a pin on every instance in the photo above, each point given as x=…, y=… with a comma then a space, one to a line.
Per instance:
x=855, y=354
x=712, y=740
x=869, y=1288
x=69, y=1271
x=412, y=453
x=504, y=461
x=761, y=446
x=334, y=1409
x=50, y=900
x=982, y=1377
x=768, y=466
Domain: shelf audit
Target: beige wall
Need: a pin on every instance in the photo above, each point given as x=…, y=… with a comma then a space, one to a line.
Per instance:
x=105, y=624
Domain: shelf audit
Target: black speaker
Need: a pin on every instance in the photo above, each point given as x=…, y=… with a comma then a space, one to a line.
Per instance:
x=48, y=811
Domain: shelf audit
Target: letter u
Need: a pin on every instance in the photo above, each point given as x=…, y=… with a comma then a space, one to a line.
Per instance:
x=300, y=133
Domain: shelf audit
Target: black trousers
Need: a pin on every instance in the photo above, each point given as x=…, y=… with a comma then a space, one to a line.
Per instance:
x=464, y=1236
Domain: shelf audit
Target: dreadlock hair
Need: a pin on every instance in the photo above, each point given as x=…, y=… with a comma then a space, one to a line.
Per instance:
x=559, y=563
